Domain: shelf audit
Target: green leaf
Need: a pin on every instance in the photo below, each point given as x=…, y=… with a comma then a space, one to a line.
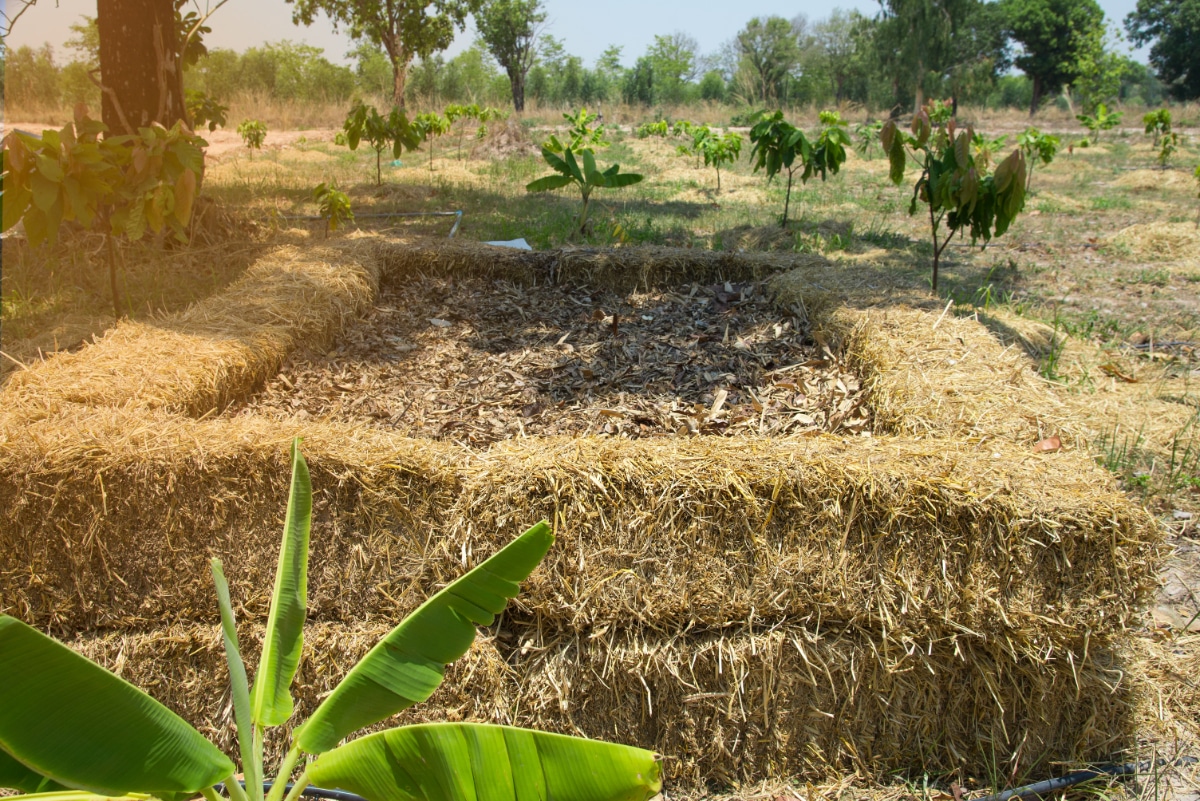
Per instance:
x=589, y=169
x=573, y=166
x=16, y=200
x=76, y=795
x=74, y=722
x=408, y=664
x=239, y=688
x=555, y=162
x=272, y=696
x=624, y=179
x=549, y=182
x=15, y=776
x=45, y=191
x=451, y=761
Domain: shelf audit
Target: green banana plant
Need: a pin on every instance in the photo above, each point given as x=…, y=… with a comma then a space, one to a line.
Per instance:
x=588, y=179
x=72, y=731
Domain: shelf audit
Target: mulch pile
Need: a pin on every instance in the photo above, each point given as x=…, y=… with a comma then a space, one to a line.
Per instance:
x=476, y=361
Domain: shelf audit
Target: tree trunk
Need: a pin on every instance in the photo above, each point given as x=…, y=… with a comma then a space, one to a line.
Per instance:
x=517, y=79
x=399, y=79
x=1037, y=95
x=139, y=64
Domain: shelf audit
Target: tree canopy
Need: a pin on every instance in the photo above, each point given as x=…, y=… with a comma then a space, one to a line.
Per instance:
x=1055, y=35
x=404, y=29
x=509, y=29
x=768, y=50
x=1174, y=28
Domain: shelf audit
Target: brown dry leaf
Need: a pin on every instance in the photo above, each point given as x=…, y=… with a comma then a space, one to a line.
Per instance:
x=1116, y=372
x=1048, y=445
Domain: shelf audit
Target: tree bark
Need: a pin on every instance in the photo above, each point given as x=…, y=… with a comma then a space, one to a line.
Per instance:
x=517, y=79
x=1037, y=96
x=139, y=64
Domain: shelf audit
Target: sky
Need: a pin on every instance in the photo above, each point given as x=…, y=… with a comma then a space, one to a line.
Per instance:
x=585, y=28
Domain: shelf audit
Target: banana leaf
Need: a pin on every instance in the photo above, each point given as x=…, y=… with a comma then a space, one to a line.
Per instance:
x=72, y=721
x=271, y=698
x=459, y=761
x=409, y=663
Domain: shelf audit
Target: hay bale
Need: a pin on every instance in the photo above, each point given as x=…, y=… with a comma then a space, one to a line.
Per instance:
x=724, y=707
x=962, y=597
x=218, y=350
x=895, y=536
x=620, y=269
x=1160, y=240
x=1152, y=180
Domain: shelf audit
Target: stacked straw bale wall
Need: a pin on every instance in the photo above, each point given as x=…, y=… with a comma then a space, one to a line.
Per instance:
x=934, y=597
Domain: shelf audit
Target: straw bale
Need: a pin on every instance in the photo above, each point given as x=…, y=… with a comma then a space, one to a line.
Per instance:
x=217, y=350
x=900, y=536
x=722, y=706
x=1152, y=180
x=619, y=269
x=1161, y=240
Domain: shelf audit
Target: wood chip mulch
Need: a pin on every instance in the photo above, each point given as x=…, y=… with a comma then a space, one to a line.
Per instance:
x=479, y=361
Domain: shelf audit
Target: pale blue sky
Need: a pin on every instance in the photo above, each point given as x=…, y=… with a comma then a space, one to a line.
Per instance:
x=586, y=28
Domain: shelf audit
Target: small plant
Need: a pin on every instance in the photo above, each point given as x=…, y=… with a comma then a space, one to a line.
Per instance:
x=394, y=131
x=1102, y=120
x=1158, y=124
x=953, y=187
x=432, y=126
x=720, y=150
x=66, y=722
x=588, y=179
x=660, y=129
x=986, y=149
x=581, y=136
x=779, y=145
x=205, y=111
x=333, y=205
x=1037, y=146
x=253, y=133
x=866, y=138
x=124, y=185
x=461, y=116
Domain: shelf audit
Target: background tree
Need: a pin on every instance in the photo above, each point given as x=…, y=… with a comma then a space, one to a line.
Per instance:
x=405, y=29
x=673, y=61
x=916, y=41
x=509, y=29
x=1174, y=28
x=1054, y=35
x=839, y=59
x=768, y=52
x=1101, y=69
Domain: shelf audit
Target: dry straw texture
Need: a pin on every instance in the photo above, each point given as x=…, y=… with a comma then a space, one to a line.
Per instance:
x=723, y=706
x=218, y=349
x=1161, y=240
x=899, y=537
x=935, y=597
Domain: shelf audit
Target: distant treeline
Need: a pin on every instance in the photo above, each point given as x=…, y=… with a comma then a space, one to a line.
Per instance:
x=845, y=58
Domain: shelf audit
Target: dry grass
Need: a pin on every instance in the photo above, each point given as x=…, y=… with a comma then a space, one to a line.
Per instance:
x=1161, y=241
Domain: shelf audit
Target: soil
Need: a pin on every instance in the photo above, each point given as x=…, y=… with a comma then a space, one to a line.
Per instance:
x=476, y=361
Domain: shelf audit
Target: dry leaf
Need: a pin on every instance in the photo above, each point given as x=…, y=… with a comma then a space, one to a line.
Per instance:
x=1048, y=445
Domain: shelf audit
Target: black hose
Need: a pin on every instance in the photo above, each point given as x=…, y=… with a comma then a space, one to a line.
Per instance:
x=1085, y=775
